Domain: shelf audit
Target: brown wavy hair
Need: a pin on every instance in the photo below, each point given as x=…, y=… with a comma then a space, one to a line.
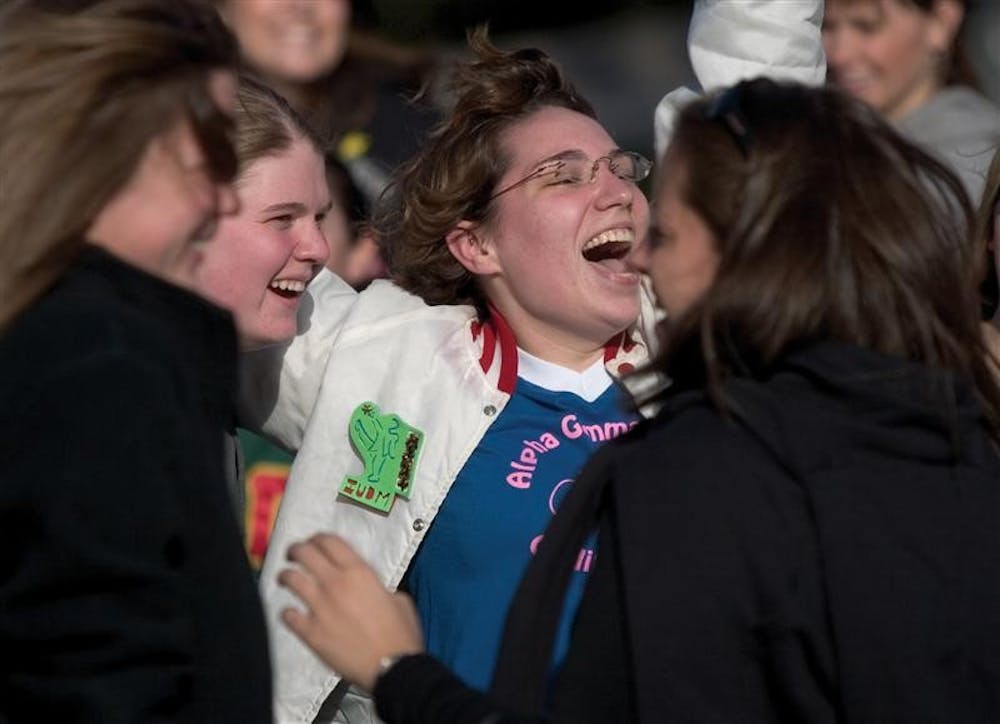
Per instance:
x=830, y=226
x=84, y=88
x=453, y=175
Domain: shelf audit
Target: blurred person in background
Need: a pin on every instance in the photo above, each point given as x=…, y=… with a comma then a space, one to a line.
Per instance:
x=124, y=592
x=347, y=81
x=354, y=252
x=807, y=530
x=904, y=58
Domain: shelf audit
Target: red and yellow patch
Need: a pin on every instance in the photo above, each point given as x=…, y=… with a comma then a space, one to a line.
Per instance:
x=265, y=485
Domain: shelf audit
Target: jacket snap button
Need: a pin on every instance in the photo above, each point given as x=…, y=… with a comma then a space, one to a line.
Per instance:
x=418, y=524
x=489, y=411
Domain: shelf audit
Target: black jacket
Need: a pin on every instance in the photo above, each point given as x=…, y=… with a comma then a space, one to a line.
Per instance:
x=125, y=595
x=829, y=553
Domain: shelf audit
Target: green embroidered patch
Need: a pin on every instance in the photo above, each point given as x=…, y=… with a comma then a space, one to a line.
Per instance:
x=389, y=449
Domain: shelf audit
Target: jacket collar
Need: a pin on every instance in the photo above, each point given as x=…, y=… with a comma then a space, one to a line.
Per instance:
x=623, y=353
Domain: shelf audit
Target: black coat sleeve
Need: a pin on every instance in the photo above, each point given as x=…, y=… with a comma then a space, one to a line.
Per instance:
x=421, y=690
x=94, y=622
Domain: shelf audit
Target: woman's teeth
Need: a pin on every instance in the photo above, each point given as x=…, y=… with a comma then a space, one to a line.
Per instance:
x=626, y=235
x=612, y=244
x=288, y=285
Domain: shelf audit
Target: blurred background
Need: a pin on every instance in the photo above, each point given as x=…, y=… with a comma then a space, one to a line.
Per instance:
x=622, y=54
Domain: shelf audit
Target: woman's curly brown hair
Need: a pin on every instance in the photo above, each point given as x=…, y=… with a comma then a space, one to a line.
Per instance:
x=454, y=174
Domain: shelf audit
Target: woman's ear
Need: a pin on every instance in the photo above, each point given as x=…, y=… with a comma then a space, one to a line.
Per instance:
x=948, y=16
x=468, y=243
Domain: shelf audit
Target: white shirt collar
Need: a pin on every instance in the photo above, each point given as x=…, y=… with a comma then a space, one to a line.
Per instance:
x=589, y=384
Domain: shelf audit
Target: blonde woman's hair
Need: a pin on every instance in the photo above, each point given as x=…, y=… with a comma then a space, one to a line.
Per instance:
x=266, y=124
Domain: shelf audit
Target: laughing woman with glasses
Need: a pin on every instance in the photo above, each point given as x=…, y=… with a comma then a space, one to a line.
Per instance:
x=441, y=417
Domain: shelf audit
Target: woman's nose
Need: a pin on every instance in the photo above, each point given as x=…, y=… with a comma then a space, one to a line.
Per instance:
x=312, y=246
x=614, y=190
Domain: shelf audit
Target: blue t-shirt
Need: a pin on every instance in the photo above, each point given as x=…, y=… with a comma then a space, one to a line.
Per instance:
x=468, y=567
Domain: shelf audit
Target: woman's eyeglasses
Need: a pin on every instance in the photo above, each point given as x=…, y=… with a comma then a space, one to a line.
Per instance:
x=578, y=170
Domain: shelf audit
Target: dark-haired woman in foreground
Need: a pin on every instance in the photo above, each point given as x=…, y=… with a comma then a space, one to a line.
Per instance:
x=808, y=530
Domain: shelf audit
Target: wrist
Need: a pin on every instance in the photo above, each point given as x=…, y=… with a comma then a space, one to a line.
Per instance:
x=382, y=668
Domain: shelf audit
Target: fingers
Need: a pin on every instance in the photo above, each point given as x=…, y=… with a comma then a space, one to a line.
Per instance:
x=303, y=585
x=322, y=550
x=351, y=620
x=300, y=624
x=328, y=575
x=336, y=549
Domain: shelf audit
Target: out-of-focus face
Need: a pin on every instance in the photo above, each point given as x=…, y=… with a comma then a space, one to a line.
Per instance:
x=556, y=267
x=161, y=219
x=354, y=253
x=888, y=52
x=261, y=259
x=681, y=256
x=292, y=41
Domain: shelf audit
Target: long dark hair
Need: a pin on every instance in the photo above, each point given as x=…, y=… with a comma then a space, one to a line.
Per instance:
x=830, y=226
